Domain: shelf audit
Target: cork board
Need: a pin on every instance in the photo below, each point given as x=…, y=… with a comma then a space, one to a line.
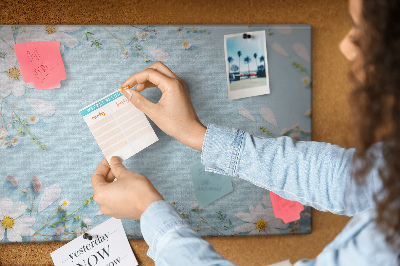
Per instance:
x=330, y=22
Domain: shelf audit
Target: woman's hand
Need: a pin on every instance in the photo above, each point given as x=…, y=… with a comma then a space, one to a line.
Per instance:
x=174, y=113
x=127, y=197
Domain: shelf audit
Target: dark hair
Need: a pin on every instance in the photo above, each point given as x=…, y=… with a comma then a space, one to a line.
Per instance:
x=375, y=103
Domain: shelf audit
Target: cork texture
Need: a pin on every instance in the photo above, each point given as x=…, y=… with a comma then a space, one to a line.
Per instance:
x=330, y=22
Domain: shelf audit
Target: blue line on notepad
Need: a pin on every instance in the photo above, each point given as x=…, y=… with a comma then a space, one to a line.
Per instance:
x=101, y=103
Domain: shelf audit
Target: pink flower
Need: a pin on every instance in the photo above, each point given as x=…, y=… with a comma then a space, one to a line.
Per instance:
x=37, y=186
x=33, y=240
x=12, y=180
x=59, y=230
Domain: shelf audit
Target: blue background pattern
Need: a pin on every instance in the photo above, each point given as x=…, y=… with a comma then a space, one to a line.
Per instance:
x=72, y=153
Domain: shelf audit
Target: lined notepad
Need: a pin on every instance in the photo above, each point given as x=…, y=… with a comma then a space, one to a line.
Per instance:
x=119, y=128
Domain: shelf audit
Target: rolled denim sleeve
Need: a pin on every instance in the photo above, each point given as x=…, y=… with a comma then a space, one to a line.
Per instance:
x=313, y=173
x=172, y=241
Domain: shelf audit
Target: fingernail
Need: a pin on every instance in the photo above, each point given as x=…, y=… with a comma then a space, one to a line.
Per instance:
x=129, y=92
x=124, y=88
x=115, y=160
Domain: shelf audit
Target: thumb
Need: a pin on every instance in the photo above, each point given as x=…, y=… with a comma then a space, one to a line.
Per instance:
x=117, y=167
x=138, y=100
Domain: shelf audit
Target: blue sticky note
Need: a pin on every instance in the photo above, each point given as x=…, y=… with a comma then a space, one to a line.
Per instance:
x=209, y=186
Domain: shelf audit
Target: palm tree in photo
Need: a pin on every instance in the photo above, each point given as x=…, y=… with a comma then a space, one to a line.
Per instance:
x=230, y=60
x=255, y=58
x=239, y=54
x=262, y=59
x=247, y=60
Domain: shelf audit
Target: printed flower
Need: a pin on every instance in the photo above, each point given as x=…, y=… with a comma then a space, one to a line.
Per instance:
x=78, y=232
x=308, y=113
x=3, y=134
x=11, y=219
x=15, y=141
x=142, y=36
x=49, y=33
x=9, y=125
x=64, y=204
x=12, y=180
x=86, y=221
x=10, y=77
x=305, y=80
x=32, y=119
x=67, y=227
x=260, y=221
x=126, y=53
x=295, y=136
x=186, y=45
x=6, y=144
x=59, y=230
x=194, y=206
x=37, y=185
x=33, y=240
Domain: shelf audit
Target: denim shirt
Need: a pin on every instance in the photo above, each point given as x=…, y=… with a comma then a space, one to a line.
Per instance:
x=312, y=173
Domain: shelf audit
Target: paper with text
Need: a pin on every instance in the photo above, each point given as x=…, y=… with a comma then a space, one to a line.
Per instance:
x=209, y=186
x=41, y=63
x=109, y=246
x=284, y=209
x=119, y=128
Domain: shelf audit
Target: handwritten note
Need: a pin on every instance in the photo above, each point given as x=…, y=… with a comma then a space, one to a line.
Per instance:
x=108, y=246
x=118, y=126
x=287, y=210
x=41, y=64
x=209, y=186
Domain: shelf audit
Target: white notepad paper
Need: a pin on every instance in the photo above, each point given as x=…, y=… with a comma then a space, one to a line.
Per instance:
x=119, y=128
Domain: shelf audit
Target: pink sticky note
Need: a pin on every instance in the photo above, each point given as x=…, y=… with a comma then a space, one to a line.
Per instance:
x=284, y=209
x=41, y=64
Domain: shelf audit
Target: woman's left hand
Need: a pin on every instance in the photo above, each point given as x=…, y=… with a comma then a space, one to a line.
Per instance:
x=127, y=197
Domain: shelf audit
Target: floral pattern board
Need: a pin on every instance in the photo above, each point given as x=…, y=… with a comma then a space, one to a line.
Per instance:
x=48, y=154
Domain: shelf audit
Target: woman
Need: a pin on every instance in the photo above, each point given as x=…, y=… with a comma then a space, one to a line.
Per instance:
x=361, y=182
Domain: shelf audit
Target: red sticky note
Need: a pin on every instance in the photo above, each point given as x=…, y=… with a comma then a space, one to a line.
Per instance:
x=284, y=209
x=41, y=64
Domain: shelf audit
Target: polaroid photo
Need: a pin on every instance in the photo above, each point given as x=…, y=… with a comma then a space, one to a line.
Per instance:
x=246, y=64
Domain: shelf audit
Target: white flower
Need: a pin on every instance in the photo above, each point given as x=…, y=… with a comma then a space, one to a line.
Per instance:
x=49, y=33
x=78, y=232
x=11, y=219
x=10, y=77
x=186, y=45
x=67, y=227
x=142, y=36
x=32, y=119
x=260, y=221
x=86, y=221
x=6, y=144
x=3, y=135
x=10, y=74
x=9, y=125
x=59, y=230
x=15, y=141
x=64, y=204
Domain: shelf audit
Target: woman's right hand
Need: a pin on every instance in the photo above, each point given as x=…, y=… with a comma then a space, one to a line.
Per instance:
x=174, y=112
